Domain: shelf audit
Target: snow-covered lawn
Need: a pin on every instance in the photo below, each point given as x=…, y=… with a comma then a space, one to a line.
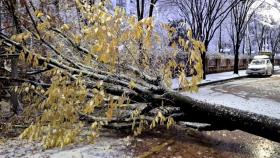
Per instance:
x=214, y=77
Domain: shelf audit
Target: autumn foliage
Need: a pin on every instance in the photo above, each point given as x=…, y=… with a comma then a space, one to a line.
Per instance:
x=92, y=71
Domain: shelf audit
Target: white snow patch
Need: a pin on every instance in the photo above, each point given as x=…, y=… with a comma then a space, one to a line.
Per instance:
x=214, y=77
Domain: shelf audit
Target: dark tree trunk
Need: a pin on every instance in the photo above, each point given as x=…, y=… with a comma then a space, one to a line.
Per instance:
x=236, y=62
x=220, y=40
x=223, y=117
x=152, y=6
x=140, y=9
x=203, y=58
x=273, y=60
x=16, y=105
x=236, y=55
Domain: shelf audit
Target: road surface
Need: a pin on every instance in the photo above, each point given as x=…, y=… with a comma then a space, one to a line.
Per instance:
x=255, y=94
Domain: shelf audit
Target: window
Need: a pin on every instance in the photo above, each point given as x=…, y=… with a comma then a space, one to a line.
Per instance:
x=258, y=62
x=268, y=62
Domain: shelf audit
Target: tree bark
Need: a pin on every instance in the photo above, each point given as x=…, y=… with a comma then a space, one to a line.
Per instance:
x=203, y=58
x=227, y=118
x=236, y=58
x=16, y=105
x=152, y=6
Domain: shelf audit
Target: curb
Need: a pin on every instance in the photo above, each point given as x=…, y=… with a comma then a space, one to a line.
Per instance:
x=220, y=81
x=214, y=82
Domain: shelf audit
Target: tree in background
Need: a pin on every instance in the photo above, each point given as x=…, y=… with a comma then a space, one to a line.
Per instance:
x=241, y=15
x=141, y=5
x=204, y=18
x=259, y=33
x=274, y=41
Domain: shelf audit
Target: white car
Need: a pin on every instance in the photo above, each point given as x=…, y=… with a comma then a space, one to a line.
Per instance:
x=260, y=65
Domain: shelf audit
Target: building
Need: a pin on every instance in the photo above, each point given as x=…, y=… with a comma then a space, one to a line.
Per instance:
x=128, y=5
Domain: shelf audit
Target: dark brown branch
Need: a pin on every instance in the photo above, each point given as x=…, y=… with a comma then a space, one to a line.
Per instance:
x=44, y=85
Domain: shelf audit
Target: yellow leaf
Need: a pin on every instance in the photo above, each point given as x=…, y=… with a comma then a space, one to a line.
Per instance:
x=132, y=84
x=94, y=125
x=38, y=13
x=105, y=58
x=65, y=27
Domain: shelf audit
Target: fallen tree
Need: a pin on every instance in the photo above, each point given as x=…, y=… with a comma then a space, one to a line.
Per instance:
x=94, y=75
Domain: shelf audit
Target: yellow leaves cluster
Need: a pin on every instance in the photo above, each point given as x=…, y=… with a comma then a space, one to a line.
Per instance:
x=160, y=119
x=190, y=73
x=132, y=84
x=33, y=132
x=21, y=37
x=96, y=101
x=115, y=39
x=60, y=137
x=65, y=27
x=59, y=123
x=43, y=26
x=38, y=13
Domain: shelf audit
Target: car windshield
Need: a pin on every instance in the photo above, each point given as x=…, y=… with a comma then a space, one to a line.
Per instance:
x=258, y=62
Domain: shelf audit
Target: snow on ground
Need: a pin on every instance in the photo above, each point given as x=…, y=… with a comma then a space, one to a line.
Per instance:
x=214, y=77
x=106, y=146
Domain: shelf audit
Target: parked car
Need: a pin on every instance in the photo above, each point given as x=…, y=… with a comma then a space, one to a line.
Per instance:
x=260, y=65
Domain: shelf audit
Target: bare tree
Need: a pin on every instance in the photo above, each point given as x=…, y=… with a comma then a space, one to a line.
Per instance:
x=240, y=18
x=274, y=39
x=204, y=18
x=140, y=6
x=259, y=32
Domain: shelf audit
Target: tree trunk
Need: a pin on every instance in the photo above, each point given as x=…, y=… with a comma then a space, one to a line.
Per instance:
x=236, y=57
x=152, y=6
x=203, y=58
x=16, y=105
x=272, y=60
x=220, y=40
x=140, y=9
x=227, y=118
